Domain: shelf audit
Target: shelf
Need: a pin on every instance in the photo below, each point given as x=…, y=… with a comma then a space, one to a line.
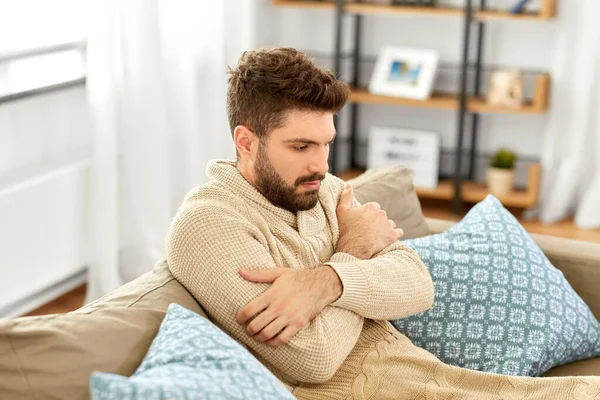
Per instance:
x=304, y=4
x=448, y=101
x=499, y=14
x=472, y=192
x=547, y=10
x=480, y=106
x=437, y=100
x=357, y=8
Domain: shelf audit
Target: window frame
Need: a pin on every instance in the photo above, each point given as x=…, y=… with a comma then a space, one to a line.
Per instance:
x=6, y=58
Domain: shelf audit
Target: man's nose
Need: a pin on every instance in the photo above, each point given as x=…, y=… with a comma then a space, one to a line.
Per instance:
x=320, y=163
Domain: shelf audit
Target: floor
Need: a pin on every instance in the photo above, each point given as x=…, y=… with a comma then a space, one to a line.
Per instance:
x=432, y=209
x=67, y=302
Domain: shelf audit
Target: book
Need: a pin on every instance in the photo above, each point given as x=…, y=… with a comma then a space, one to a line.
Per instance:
x=519, y=7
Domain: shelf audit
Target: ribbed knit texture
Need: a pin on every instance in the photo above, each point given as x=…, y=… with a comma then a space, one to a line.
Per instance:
x=349, y=350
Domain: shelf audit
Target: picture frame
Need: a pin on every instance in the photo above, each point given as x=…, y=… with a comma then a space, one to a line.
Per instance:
x=404, y=72
x=418, y=150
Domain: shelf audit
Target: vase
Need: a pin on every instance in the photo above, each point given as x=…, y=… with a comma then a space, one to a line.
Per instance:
x=500, y=181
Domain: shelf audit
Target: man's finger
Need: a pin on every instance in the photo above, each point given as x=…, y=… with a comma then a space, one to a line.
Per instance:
x=260, y=322
x=346, y=198
x=262, y=275
x=374, y=205
x=285, y=336
x=251, y=309
x=271, y=330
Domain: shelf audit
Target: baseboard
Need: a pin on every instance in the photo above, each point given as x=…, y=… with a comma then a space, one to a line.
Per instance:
x=44, y=296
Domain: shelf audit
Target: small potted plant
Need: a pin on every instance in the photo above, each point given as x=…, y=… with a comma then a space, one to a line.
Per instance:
x=501, y=173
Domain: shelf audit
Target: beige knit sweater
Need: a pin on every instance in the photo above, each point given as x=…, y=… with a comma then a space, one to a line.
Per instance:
x=349, y=350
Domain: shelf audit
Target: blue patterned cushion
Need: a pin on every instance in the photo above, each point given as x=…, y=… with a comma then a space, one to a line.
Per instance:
x=500, y=305
x=190, y=358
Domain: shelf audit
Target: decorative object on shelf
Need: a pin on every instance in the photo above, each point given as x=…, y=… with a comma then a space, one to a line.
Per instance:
x=380, y=2
x=506, y=88
x=501, y=173
x=420, y=3
x=404, y=72
x=518, y=7
x=418, y=150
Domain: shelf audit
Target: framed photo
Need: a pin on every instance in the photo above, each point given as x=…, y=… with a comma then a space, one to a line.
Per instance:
x=404, y=72
x=417, y=150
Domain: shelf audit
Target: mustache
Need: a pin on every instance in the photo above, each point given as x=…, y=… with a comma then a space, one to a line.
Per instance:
x=311, y=178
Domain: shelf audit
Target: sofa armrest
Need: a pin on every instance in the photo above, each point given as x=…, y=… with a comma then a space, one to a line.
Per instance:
x=579, y=261
x=438, y=225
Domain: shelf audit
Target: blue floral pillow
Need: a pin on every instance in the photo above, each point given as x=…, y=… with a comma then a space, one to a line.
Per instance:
x=500, y=305
x=190, y=358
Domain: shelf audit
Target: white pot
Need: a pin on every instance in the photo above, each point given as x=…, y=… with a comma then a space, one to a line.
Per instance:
x=500, y=181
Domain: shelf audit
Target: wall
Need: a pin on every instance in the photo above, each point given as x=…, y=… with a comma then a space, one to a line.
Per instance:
x=44, y=161
x=521, y=44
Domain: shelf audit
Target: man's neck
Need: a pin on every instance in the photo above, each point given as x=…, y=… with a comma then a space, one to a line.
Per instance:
x=247, y=172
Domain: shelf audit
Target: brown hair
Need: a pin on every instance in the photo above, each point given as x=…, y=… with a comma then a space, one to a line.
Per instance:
x=269, y=82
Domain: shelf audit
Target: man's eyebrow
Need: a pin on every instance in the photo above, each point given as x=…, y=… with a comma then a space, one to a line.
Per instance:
x=304, y=140
x=300, y=140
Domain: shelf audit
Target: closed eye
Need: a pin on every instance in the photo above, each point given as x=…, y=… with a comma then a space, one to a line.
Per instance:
x=300, y=148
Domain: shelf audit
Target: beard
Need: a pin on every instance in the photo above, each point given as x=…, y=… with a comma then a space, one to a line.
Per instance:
x=271, y=185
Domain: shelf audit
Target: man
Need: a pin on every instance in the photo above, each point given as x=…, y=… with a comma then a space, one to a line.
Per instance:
x=284, y=259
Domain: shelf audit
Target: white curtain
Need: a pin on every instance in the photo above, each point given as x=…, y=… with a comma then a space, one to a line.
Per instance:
x=156, y=90
x=571, y=150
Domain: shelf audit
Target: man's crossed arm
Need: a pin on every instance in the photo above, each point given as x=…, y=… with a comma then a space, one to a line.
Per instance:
x=296, y=297
x=210, y=247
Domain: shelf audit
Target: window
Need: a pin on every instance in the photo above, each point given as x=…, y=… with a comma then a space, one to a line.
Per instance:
x=42, y=43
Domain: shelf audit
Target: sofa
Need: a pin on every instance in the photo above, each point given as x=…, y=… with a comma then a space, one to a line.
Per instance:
x=53, y=356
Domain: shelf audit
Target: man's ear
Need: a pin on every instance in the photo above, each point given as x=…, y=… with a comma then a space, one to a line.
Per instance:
x=245, y=141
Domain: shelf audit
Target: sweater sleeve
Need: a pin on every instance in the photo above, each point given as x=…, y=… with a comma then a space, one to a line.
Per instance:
x=394, y=284
x=206, y=246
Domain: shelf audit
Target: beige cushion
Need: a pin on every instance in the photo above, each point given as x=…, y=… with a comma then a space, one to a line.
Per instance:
x=393, y=189
x=579, y=261
x=53, y=356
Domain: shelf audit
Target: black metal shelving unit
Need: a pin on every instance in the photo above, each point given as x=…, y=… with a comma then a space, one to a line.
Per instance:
x=463, y=112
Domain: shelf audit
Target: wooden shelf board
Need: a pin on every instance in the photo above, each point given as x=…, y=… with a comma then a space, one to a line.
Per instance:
x=437, y=100
x=471, y=192
x=357, y=8
x=480, y=105
x=443, y=101
x=304, y=4
x=350, y=174
x=500, y=14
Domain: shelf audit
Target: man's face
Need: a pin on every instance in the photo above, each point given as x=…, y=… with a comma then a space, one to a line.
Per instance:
x=291, y=163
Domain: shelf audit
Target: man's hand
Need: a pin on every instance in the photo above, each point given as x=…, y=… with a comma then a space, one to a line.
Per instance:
x=294, y=299
x=364, y=230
